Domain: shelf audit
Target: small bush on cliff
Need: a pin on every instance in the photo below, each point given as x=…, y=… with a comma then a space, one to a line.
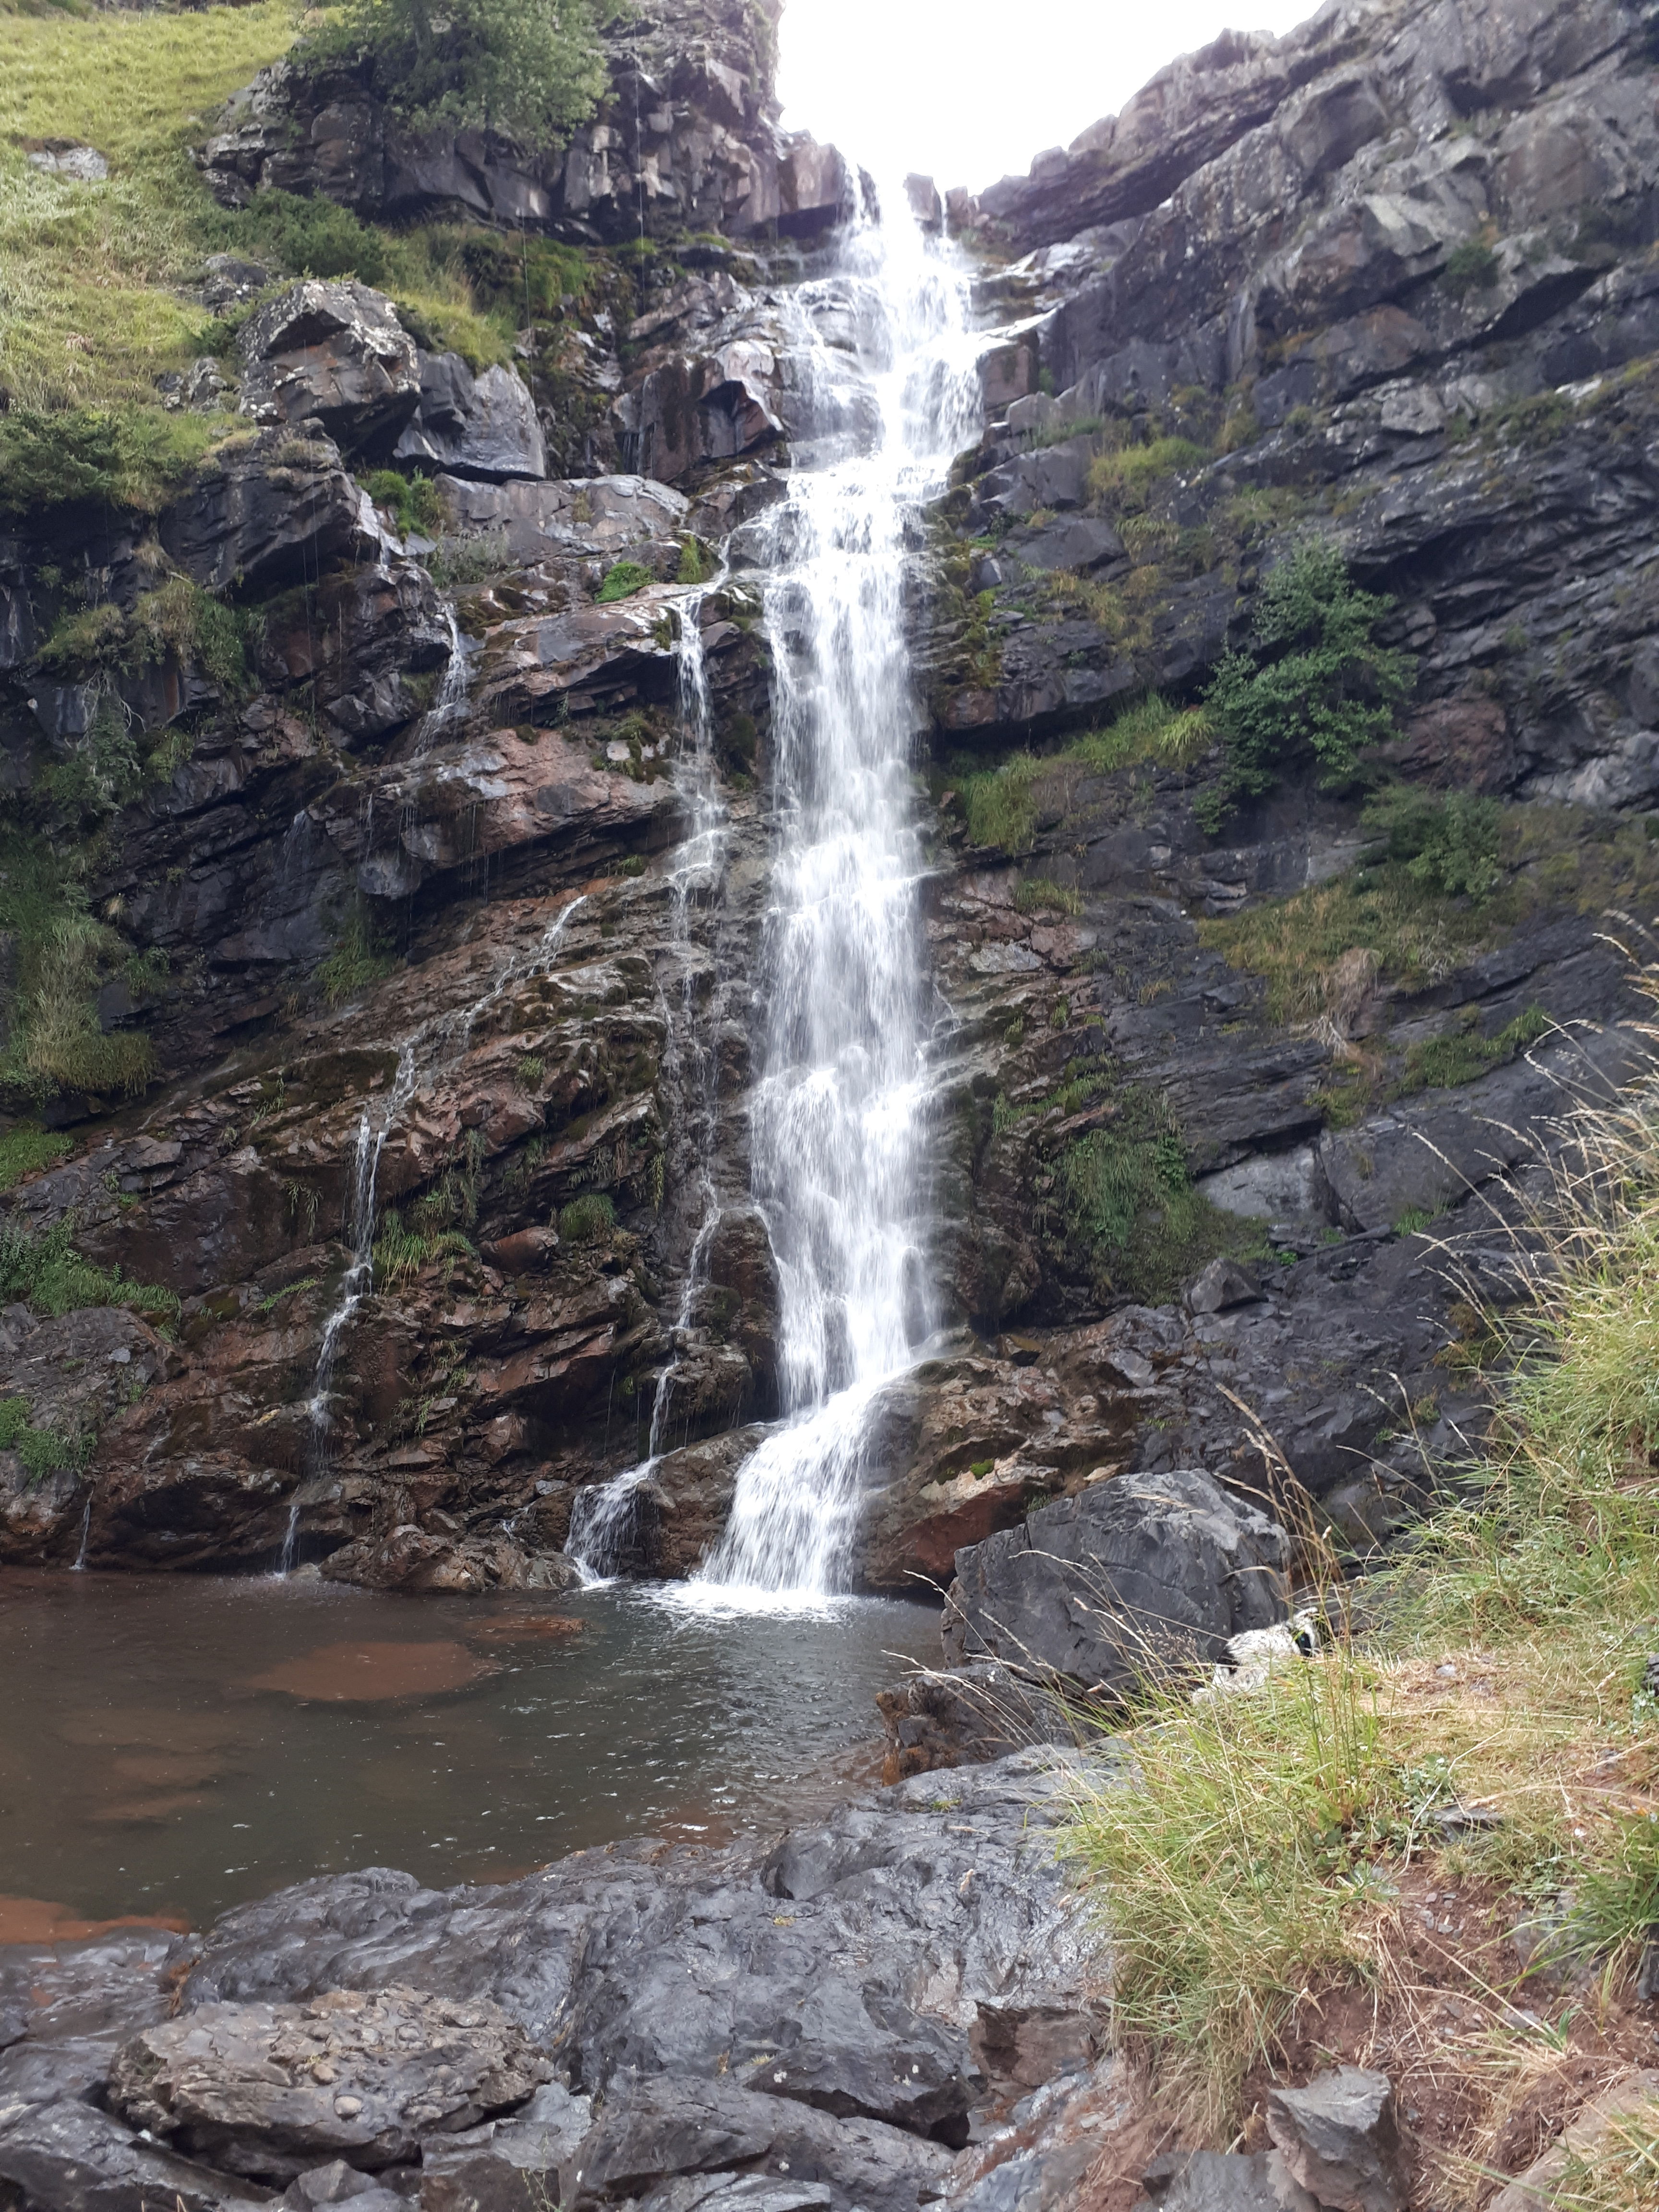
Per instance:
x=1452, y=846
x=534, y=67
x=1314, y=688
x=25, y=1148
x=55, y=1042
x=123, y=456
x=1131, y=1214
x=622, y=582
x=362, y=956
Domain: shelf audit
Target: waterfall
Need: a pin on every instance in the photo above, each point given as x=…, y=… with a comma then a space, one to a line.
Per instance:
x=602, y=1515
x=449, y=708
x=839, y=1111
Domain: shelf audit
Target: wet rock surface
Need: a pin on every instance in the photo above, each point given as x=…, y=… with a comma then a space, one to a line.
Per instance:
x=827, y=2011
x=1133, y=1576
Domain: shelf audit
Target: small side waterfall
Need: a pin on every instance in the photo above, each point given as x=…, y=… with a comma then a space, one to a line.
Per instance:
x=839, y=1114
x=437, y=1042
x=448, y=709
x=602, y=1516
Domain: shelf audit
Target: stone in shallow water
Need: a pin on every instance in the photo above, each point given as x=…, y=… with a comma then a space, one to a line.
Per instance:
x=265, y=2089
x=346, y=1674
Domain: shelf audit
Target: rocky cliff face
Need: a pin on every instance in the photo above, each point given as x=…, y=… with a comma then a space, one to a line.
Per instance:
x=379, y=807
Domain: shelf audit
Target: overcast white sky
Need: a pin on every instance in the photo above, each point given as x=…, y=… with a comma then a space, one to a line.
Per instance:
x=968, y=92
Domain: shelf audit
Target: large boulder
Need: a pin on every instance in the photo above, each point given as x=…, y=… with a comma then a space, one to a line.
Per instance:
x=266, y=2090
x=1136, y=1575
x=473, y=426
x=266, y=511
x=335, y=353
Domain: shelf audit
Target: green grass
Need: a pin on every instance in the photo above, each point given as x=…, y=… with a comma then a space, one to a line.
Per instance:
x=1124, y=480
x=1441, y=1063
x=1000, y=803
x=25, y=1148
x=588, y=1219
x=401, y=1251
x=361, y=958
x=622, y=582
x=44, y=1269
x=1129, y=1210
x=90, y=311
x=42, y=1451
x=1252, y=1862
x=64, y=953
x=414, y=503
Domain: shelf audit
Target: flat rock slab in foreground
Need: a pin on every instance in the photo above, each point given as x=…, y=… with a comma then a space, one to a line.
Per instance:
x=818, y=2017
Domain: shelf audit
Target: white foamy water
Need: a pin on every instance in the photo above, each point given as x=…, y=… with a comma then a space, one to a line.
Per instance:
x=840, y=1112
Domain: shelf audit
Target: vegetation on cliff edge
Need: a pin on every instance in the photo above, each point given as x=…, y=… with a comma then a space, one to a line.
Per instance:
x=1482, y=1727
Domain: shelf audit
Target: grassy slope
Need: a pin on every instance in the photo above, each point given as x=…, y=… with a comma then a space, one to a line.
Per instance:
x=1281, y=1846
x=87, y=312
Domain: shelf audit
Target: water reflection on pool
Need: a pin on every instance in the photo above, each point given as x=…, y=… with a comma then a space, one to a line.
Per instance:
x=173, y=1745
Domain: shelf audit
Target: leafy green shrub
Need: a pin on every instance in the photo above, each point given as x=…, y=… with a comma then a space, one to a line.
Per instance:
x=130, y=456
x=42, y=1451
x=26, y=1148
x=588, y=1219
x=631, y=864
x=54, y=1041
x=1471, y=267
x=1313, y=687
x=532, y=67
x=1129, y=1208
x=1452, y=846
x=313, y=237
x=623, y=581
x=44, y=1269
x=694, y=565
x=415, y=501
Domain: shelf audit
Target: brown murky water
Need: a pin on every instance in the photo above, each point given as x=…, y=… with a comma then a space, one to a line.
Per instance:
x=172, y=1744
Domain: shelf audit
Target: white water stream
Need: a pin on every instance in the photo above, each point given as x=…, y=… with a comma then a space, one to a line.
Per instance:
x=840, y=1112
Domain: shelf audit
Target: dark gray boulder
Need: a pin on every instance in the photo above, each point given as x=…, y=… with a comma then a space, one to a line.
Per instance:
x=1136, y=1574
x=655, y=2129
x=473, y=426
x=266, y=511
x=504, y=2166
x=73, y=2158
x=335, y=353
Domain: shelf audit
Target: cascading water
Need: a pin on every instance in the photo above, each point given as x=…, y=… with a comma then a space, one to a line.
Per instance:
x=448, y=709
x=838, y=1117
x=602, y=1517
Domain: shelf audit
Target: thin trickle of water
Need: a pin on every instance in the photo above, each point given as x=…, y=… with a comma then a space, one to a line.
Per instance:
x=602, y=1516
x=839, y=1113
x=449, y=708
x=438, y=1041
x=86, y=1534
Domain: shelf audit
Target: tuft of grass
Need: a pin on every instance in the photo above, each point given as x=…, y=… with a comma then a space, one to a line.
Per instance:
x=1124, y=480
x=44, y=1270
x=622, y=582
x=1442, y=1062
x=588, y=1219
x=25, y=1148
x=1037, y=893
x=401, y=1250
x=42, y=1451
x=1234, y=1866
x=360, y=958
x=1621, y=2174
x=1000, y=803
